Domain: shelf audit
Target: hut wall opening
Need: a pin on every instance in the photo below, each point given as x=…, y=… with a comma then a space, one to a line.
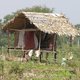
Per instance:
x=27, y=40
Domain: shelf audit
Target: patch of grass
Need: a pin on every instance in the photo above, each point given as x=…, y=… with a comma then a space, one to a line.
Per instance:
x=36, y=71
x=32, y=70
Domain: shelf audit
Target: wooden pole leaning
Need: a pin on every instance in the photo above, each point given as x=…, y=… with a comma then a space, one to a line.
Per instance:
x=55, y=46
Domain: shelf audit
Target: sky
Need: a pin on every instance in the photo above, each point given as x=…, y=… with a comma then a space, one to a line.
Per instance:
x=68, y=7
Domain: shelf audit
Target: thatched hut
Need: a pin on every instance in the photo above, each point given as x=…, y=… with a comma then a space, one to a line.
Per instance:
x=44, y=25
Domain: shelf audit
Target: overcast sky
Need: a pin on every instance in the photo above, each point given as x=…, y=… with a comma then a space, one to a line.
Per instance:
x=68, y=7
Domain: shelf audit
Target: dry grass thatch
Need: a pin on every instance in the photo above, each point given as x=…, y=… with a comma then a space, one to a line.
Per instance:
x=46, y=22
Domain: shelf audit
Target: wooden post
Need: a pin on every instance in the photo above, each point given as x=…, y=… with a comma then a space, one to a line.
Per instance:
x=8, y=40
x=54, y=46
x=40, y=45
x=78, y=42
x=14, y=40
x=16, y=35
x=70, y=41
x=39, y=40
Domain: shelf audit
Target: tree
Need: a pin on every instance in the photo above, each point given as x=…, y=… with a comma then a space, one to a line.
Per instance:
x=77, y=26
x=0, y=23
x=8, y=17
x=39, y=9
x=43, y=9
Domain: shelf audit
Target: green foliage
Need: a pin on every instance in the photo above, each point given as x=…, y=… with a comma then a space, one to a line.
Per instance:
x=42, y=9
x=8, y=17
x=40, y=71
x=77, y=26
x=1, y=68
x=0, y=21
x=39, y=9
x=1, y=24
x=32, y=9
x=3, y=39
x=16, y=68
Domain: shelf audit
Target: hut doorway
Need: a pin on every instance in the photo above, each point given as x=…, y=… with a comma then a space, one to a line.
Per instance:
x=48, y=44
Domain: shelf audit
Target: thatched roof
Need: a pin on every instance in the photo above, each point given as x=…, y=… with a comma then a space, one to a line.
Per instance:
x=46, y=22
